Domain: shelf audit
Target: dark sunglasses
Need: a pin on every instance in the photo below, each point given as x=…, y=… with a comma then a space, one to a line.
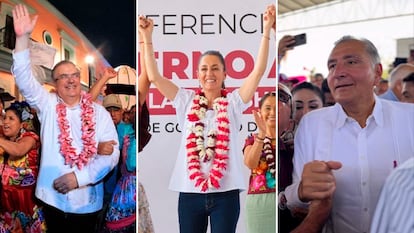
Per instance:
x=283, y=96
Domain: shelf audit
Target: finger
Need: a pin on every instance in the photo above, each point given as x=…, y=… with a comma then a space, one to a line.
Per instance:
x=334, y=165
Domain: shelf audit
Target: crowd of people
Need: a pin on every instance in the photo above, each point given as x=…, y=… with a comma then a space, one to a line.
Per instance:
x=344, y=161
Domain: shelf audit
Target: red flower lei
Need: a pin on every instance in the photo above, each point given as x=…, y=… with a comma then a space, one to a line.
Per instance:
x=217, y=143
x=88, y=133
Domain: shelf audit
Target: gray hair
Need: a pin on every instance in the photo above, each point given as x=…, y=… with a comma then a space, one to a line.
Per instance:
x=369, y=47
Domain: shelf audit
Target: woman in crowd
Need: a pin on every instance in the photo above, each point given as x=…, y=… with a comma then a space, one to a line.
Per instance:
x=260, y=158
x=208, y=165
x=19, y=169
x=306, y=97
x=121, y=213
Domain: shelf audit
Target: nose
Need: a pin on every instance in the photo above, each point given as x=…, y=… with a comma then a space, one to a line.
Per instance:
x=306, y=110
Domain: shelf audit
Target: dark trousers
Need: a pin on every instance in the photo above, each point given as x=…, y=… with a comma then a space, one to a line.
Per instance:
x=194, y=209
x=58, y=221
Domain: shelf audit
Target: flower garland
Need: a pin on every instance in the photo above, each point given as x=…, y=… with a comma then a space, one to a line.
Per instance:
x=271, y=162
x=265, y=172
x=88, y=133
x=217, y=142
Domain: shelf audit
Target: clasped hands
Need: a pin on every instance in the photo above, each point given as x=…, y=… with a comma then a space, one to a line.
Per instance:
x=68, y=182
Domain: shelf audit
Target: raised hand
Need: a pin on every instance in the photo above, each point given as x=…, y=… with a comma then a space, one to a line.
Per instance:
x=109, y=73
x=318, y=181
x=261, y=124
x=269, y=17
x=23, y=24
x=285, y=45
x=145, y=28
x=272, y=10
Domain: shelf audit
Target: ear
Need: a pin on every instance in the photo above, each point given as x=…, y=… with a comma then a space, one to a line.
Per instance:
x=378, y=74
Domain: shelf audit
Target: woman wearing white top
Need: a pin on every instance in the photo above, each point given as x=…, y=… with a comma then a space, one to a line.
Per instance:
x=208, y=173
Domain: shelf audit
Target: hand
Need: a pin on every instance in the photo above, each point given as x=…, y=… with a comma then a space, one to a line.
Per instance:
x=261, y=124
x=66, y=183
x=318, y=181
x=285, y=45
x=109, y=73
x=272, y=11
x=23, y=25
x=269, y=17
x=145, y=28
x=106, y=148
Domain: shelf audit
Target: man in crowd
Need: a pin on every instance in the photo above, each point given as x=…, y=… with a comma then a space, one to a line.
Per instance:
x=346, y=152
x=71, y=171
x=396, y=76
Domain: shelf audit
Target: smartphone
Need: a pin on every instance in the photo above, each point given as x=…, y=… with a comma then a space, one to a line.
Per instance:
x=299, y=40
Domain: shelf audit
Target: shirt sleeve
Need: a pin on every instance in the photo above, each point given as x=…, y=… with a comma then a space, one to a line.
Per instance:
x=34, y=93
x=100, y=165
x=299, y=159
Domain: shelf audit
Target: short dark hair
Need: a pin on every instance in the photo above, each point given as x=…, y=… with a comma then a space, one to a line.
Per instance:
x=268, y=94
x=409, y=78
x=64, y=62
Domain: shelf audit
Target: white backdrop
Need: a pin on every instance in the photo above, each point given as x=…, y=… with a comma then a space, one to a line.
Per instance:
x=183, y=30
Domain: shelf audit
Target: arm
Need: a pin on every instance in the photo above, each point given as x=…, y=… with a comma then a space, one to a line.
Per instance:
x=100, y=83
x=143, y=82
x=18, y=149
x=249, y=86
x=165, y=86
x=97, y=168
x=30, y=88
x=319, y=211
x=252, y=153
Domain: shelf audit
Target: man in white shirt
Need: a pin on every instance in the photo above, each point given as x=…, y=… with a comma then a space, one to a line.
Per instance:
x=346, y=151
x=71, y=170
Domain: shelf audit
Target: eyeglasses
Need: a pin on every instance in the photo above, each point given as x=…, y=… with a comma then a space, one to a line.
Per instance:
x=283, y=96
x=67, y=76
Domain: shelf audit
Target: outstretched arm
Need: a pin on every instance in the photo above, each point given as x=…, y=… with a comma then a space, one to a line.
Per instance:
x=250, y=84
x=143, y=82
x=23, y=26
x=100, y=83
x=165, y=86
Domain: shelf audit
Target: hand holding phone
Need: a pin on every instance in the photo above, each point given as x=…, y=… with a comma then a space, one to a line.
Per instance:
x=299, y=40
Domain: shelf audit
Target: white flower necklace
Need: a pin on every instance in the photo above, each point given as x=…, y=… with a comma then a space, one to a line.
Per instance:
x=269, y=155
x=217, y=142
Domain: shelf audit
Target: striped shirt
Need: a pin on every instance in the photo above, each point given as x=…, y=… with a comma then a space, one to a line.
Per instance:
x=394, y=212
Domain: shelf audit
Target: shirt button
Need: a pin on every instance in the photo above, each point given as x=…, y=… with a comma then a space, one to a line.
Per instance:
x=365, y=209
x=364, y=183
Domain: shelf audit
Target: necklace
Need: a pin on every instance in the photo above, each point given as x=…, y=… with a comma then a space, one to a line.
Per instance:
x=217, y=142
x=271, y=162
x=88, y=133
